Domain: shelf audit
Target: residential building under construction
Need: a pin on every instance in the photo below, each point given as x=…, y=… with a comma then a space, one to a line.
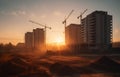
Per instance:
x=35, y=39
x=94, y=32
x=97, y=30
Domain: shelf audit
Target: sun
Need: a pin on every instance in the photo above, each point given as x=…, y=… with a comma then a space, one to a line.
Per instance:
x=57, y=45
x=59, y=41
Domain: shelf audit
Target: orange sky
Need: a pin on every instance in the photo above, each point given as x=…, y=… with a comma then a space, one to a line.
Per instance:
x=15, y=14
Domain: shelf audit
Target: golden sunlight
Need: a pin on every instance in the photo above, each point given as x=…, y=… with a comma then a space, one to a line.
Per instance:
x=59, y=41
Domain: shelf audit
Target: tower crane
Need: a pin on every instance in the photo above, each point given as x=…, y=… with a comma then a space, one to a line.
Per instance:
x=65, y=21
x=40, y=24
x=80, y=16
x=45, y=27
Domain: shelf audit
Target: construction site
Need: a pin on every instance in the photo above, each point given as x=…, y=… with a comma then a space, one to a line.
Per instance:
x=91, y=34
x=59, y=38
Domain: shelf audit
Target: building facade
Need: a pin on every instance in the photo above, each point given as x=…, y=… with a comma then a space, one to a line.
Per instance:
x=38, y=38
x=72, y=36
x=29, y=39
x=97, y=30
x=35, y=39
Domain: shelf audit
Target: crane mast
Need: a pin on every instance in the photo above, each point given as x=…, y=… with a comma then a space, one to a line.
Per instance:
x=80, y=16
x=65, y=21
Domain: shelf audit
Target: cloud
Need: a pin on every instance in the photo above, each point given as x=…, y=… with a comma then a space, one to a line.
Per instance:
x=2, y=12
x=22, y=12
x=43, y=16
x=18, y=13
x=57, y=13
x=13, y=13
x=32, y=16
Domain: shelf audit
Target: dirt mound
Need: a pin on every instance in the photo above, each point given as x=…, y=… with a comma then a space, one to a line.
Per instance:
x=40, y=73
x=105, y=64
x=15, y=66
x=61, y=69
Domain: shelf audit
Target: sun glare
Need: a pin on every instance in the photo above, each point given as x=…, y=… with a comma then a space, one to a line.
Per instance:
x=59, y=41
x=58, y=44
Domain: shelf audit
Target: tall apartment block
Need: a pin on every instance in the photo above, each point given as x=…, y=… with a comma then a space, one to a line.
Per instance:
x=29, y=39
x=38, y=38
x=72, y=35
x=97, y=30
x=35, y=39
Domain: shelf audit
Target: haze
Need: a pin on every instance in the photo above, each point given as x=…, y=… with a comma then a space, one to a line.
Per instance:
x=15, y=14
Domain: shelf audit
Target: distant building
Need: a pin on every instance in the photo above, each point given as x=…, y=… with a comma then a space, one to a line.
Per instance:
x=116, y=44
x=38, y=38
x=73, y=35
x=97, y=30
x=35, y=39
x=29, y=39
x=20, y=45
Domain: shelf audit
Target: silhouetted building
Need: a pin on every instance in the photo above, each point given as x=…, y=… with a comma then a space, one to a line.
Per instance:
x=116, y=45
x=38, y=38
x=73, y=36
x=35, y=39
x=29, y=39
x=20, y=45
x=97, y=30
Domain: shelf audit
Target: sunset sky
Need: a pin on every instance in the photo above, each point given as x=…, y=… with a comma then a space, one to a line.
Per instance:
x=15, y=14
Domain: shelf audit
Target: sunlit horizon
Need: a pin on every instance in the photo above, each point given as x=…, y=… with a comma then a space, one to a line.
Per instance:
x=15, y=16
